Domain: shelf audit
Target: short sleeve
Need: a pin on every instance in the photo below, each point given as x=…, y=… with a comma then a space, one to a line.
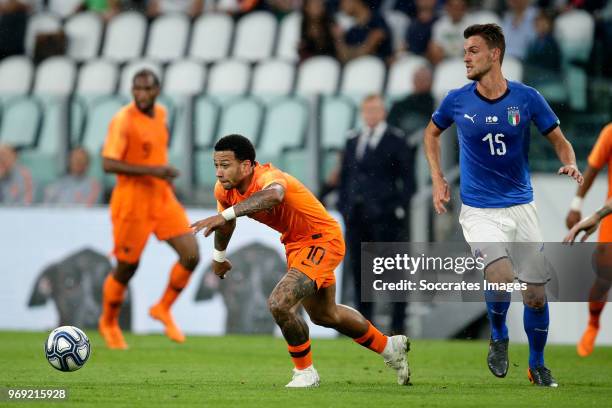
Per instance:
x=221, y=197
x=600, y=154
x=116, y=139
x=541, y=113
x=270, y=177
x=443, y=116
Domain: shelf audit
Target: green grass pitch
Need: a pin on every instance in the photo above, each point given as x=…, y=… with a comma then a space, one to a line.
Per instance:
x=236, y=371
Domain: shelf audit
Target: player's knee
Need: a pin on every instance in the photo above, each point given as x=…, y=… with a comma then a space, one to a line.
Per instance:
x=125, y=271
x=278, y=309
x=190, y=261
x=535, y=302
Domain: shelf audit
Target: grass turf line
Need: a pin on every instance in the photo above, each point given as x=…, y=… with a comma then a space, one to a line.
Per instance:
x=244, y=371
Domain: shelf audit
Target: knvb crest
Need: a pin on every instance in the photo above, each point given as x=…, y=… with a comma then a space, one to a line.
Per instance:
x=514, y=116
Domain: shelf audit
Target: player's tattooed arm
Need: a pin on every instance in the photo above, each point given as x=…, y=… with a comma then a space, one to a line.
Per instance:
x=223, y=235
x=269, y=197
x=604, y=211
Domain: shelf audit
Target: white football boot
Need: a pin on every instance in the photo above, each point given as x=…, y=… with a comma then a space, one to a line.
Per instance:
x=305, y=378
x=395, y=355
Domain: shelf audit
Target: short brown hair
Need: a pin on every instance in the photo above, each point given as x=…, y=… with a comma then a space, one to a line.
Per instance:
x=491, y=33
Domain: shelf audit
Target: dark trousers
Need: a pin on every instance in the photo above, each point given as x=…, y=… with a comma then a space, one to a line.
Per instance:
x=359, y=229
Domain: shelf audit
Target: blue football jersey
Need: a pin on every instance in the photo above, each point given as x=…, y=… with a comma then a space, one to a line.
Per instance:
x=494, y=141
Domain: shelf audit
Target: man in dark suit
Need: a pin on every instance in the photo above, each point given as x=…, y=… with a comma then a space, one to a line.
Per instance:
x=375, y=187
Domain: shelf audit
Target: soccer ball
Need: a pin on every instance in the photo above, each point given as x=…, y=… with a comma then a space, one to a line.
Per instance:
x=67, y=348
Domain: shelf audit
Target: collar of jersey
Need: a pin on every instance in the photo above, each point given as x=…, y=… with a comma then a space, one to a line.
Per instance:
x=492, y=101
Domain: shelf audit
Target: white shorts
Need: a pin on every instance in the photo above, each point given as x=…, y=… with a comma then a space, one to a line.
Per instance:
x=493, y=233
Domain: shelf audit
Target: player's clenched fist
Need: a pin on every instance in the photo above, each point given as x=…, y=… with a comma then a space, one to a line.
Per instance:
x=221, y=268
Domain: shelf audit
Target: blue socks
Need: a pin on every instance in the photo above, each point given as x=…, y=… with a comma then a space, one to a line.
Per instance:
x=536, y=322
x=498, y=303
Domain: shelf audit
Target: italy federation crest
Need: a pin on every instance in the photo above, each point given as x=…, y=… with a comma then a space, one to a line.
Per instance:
x=514, y=116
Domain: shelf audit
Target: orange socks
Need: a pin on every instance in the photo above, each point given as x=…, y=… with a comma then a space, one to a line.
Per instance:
x=301, y=355
x=113, y=293
x=373, y=339
x=179, y=277
x=595, y=309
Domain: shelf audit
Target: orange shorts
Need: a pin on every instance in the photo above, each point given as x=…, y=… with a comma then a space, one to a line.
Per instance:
x=317, y=260
x=131, y=234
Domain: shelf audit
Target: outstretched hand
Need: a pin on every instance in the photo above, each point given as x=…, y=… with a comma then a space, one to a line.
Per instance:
x=588, y=225
x=572, y=171
x=209, y=224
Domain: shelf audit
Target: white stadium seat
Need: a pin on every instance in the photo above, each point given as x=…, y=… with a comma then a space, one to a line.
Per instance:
x=37, y=24
x=184, y=77
x=55, y=76
x=97, y=77
x=125, y=36
x=289, y=36
x=255, y=33
x=228, y=78
x=401, y=74
x=168, y=37
x=16, y=75
x=84, y=31
x=273, y=77
x=449, y=74
x=318, y=75
x=211, y=37
x=362, y=76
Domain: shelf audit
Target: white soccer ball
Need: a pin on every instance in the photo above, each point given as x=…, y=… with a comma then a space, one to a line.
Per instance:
x=67, y=348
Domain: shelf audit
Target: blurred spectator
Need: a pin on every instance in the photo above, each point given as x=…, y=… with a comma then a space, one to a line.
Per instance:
x=75, y=187
x=370, y=35
x=412, y=113
x=376, y=185
x=316, y=30
x=283, y=7
x=13, y=22
x=447, y=32
x=418, y=34
x=543, y=58
x=518, y=26
x=408, y=7
x=16, y=186
x=192, y=8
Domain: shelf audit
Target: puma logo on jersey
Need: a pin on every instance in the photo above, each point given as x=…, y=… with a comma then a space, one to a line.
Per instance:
x=465, y=115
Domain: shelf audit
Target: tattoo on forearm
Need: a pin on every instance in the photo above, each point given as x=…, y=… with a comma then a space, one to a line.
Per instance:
x=604, y=211
x=261, y=200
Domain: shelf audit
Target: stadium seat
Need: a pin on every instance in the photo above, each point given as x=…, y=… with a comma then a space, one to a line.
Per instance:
x=64, y=8
x=285, y=127
x=84, y=31
x=37, y=24
x=211, y=38
x=128, y=72
x=21, y=120
x=55, y=76
x=318, y=75
x=99, y=116
x=512, y=68
x=184, y=77
x=228, y=78
x=254, y=36
x=449, y=74
x=484, y=17
x=168, y=37
x=46, y=159
x=273, y=78
x=205, y=122
x=362, y=76
x=338, y=116
x=16, y=74
x=125, y=36
x=97, y=77
x=289, y=36
x=398, y=23
x=241, y=115
x=401, y=73
x=574, y=31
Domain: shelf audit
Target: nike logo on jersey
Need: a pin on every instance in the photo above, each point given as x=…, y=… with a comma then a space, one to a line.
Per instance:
x=465, y=115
